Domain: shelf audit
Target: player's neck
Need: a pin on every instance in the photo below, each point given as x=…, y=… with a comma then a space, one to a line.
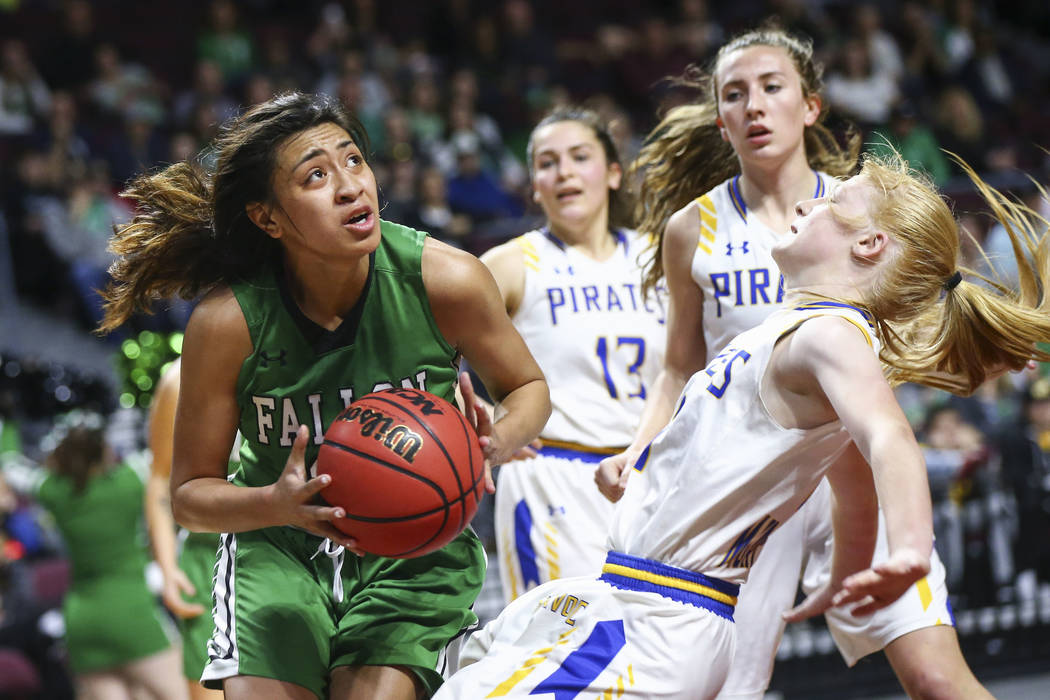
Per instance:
x=592, y=239
x=328, y=293
x=771, y=193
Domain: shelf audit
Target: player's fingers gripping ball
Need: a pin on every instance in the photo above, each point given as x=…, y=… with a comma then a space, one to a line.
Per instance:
x=407, y=469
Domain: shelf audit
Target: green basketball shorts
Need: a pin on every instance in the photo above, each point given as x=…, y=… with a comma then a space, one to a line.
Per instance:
x=288, y=607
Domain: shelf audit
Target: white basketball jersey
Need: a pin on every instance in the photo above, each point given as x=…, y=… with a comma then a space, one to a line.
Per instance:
x=733, y=265
x=597, y=340
x=724, y=474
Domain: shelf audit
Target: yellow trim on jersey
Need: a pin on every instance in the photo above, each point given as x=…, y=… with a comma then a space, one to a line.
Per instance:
x=531, y=257
x=708, y=222
x=867, y=335
x=668, y=581
x=551, y=536
x=925, y=594
x=862, y=329
x=577, y=447
x=538, y=657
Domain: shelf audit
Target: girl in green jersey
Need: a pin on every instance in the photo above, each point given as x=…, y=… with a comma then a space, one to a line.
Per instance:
x=310, y=301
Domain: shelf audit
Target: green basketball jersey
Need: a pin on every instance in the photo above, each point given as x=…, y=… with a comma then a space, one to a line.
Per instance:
x=301, y=373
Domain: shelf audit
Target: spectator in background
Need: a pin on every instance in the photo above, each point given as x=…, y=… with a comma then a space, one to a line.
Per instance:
x=209, y=87
x=857, y=89
x=925, y=63
x=1025, y=450
x=431, y=211
x=285, y=70
x=642, y=69
x=24, y=97
x=120, y=88
x=696, y=31
x=64, y=139
x=226, y=43
x=424, y=110
x=959, y=33
x=78, y=230
x=473, y=190
x=40, y=275
x=953, y=449
x=883, y=52
x=259, y=87
x=909, y=136
x=140, y=146
x=960, y=127
x=68, y=63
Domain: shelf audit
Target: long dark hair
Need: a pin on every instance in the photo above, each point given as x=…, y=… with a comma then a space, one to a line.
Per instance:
x=191, y=232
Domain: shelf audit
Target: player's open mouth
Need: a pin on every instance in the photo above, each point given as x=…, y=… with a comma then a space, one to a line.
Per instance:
x=568, y=194
x=358, y=218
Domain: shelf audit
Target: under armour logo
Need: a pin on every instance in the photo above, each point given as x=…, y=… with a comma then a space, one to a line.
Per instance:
x=267, y=358
x=742, y=246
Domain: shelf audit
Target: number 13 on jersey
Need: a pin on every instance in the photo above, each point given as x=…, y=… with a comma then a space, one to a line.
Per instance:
x=634, y=351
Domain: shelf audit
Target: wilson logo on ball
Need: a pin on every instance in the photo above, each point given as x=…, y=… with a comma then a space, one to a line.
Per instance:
x=403, y=442
x=407, y=469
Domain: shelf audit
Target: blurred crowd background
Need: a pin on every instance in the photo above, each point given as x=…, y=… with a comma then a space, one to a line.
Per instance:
x=92, y=93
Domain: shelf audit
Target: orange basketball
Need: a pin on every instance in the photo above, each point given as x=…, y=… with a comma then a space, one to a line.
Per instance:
x=406, y=467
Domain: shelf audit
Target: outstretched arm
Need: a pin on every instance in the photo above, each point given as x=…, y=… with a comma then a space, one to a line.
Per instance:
x=826, y=369
x=854, y=520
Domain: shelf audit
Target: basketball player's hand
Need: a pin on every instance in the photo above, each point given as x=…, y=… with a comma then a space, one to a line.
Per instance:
x=478, y=415
x=877, y=587
x=295, y=497
x=612, y=474
x=175, y=586
x=815, y=603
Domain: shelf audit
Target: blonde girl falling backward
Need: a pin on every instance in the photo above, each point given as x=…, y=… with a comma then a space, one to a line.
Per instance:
x=751, y=148
x=871, y=277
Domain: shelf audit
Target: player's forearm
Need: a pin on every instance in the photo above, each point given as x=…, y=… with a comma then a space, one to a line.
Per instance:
x=520, y=417
x=659, y=407
x=211, y=504
x=854, y=515
x=904, y=493
x=160, y=522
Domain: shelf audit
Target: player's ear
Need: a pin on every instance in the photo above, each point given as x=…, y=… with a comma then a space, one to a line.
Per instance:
x=614, y=176
x=873, y=245
x=262, y=216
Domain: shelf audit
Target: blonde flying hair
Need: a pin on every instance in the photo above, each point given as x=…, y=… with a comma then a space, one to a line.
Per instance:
x=943, y=325
x=685, y=155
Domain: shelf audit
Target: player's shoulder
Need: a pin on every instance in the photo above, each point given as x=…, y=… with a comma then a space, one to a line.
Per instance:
x=219, y=321
x=701, y=216
x=830, y=337
x=450, y=271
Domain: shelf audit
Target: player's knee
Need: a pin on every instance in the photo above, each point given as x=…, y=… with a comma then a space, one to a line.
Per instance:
x=934, y=683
